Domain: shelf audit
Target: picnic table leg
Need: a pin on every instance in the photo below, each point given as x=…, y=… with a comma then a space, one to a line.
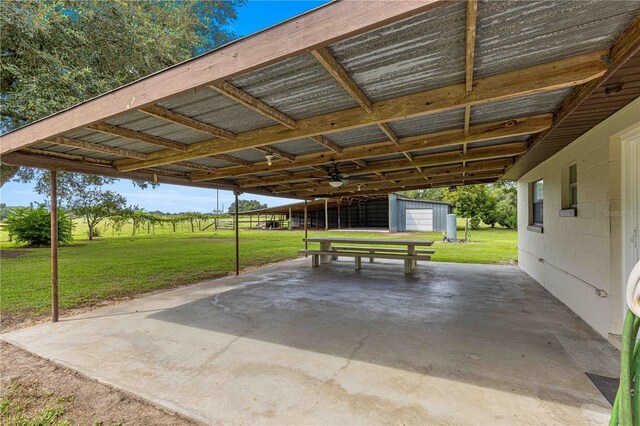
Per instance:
x=325, y=246
x=358, y=263
x=334, y=256
x=407, y=266
x=371, y=258
x=411, y=250
x=315, y=260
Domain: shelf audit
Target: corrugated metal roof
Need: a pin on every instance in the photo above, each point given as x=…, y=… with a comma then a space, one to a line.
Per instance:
x=248, y=155
x=355, y=137
x=432, y=123
x=523, y=106
x=141, y=122
x=419, y=53
x=299, y=87
x=210, y=107
x=300, y=147
x=516, y=34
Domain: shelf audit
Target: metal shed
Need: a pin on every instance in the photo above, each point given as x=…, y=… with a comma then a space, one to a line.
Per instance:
x=408, y=214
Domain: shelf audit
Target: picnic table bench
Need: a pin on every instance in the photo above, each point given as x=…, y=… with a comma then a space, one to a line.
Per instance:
x=365, y=247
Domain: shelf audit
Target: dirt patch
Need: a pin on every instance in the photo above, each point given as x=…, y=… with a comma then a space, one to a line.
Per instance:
x=36, y=391
x=10, y=254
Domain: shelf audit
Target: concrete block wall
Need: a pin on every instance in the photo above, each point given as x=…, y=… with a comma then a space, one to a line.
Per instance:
x=584, y=247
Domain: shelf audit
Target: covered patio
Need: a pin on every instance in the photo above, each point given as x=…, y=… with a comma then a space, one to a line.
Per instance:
x=398, y=95
x=451, y=343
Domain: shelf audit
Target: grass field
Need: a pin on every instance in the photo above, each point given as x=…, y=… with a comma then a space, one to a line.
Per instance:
x=118, y=266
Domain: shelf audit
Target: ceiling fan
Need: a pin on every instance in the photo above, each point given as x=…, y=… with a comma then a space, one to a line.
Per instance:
x=337, y=179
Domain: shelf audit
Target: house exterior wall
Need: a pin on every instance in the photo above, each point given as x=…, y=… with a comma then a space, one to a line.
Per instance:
x=574, y=251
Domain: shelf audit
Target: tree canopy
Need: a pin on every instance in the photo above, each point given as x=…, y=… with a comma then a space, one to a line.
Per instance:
x=247, y=205
x=57, y=53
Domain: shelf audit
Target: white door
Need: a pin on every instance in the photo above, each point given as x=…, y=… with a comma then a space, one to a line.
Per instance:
x=419, y=220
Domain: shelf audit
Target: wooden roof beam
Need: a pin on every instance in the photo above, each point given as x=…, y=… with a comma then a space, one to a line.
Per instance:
x=439, y=159
x=137, y=136
x=482, y=132
x=427, y=174
x=343, y=78
x=250, y=102
x=197, y=166
x=231, y=159
x=173, y=117
x=389, y=132
x=326, y=190
x=104, y=149
x=327, y=143
x=276, y=153
x=535, y=79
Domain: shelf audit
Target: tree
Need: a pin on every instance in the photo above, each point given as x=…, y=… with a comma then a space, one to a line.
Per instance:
x=95, y=205
x=57, y=53
x=247, y=205
x=433, y=194
x=471, y=201
x=507, y=206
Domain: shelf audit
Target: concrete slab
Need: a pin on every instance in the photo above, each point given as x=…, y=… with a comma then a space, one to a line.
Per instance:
x=288, y=344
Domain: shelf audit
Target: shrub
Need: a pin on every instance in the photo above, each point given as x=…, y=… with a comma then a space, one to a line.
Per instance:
x=33, y=226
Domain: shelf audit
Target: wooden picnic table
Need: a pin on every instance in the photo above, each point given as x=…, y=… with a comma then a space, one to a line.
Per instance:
x=326, y=242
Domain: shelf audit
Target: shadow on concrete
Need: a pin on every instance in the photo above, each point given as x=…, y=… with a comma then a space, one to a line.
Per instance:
x=489, y=326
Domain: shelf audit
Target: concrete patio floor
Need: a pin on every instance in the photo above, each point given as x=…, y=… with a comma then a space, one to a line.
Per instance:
x=288, y=344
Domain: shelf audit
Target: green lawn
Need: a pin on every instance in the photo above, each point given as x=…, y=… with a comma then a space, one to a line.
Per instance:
x=120, y=266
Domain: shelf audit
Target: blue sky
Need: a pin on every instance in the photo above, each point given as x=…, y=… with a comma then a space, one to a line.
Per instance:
x=253, y=17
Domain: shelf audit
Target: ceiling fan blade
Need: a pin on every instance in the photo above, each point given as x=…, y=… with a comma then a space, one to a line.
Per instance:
x=359, y=178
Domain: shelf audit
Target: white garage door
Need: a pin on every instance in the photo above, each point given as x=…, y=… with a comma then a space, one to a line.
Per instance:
x=419, y=219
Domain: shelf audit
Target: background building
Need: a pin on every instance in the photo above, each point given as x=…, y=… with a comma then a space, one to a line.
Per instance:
x=394, y=212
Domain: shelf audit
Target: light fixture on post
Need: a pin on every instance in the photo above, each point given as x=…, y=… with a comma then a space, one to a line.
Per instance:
x=269, y=159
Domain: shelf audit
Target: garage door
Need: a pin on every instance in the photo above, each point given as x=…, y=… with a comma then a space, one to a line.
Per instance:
x=419, y=219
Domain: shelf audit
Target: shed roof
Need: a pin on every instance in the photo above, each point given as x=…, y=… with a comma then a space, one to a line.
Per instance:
x=405, y=95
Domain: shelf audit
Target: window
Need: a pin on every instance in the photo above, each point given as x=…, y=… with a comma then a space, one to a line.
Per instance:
x=537, y=201
x=573, y=186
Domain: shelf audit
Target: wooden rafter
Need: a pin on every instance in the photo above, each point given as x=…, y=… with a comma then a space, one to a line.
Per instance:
x=276, y=153
x=343, y=78
x=66, y=156
x=472, y=15
x=327, y=143
x=483, y=132
x=428, y=160
x=426, y=174
x=626, y=46
x=324, y=25
x=539, y=78
x=137, y=136
x=384, y=191
x=105, y=149
x=196, y=166
x=255, y=104
x=167, y=115
x=389, y=132
x=231, y=159
x=326, y=190
x=360, y=163
x=408, y=156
